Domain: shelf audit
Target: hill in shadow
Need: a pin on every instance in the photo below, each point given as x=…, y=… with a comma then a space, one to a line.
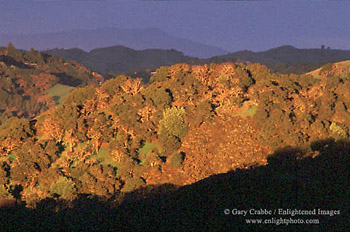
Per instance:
x=8, y=60
x=104, y=37
x=120, y=59
x=294, y=178
x=287, y=59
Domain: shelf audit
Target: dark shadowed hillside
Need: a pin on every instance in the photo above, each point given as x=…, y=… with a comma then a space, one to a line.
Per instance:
x=148, y=38
x=288, y=59
x=119, y=59
x=287, y=182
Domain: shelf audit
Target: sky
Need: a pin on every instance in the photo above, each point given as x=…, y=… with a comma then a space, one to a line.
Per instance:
x=231, y=25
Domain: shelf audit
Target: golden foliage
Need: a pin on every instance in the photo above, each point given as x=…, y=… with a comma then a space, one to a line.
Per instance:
x=132, y=86
x=146, y=113
x=102, y=99
x=201, y=73
x=117, y=155
x=51, y=129
x=70, y=139
x=176, y=68
x=8, y=145
x=90, y=105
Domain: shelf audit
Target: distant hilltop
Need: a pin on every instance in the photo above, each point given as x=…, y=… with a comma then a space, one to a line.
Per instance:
x=105, y=37
x=120, y=59
x=290, y=55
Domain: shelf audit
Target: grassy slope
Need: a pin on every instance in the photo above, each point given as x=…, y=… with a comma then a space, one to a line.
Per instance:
x=340, y=65
x=103, y=155
x=59, y=92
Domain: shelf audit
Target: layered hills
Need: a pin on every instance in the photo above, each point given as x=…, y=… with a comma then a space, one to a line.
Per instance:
x=288, y=59
x=120, y=59
x=123, y=60
x=140, y=39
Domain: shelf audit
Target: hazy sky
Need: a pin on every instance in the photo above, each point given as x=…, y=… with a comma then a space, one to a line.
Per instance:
x=232, y=25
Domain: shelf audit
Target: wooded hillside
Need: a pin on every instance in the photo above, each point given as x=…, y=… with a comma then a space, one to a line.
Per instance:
x=186, y=124
x=28, y=78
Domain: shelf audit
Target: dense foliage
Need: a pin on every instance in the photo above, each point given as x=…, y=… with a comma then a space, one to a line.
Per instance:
x=188, y=123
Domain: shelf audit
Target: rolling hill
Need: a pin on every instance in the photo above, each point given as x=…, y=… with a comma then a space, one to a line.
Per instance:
x=32, y=82
x=119, y=59
x=91, y=39
x=287, y=59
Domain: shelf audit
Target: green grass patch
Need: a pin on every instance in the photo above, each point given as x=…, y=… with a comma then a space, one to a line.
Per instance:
x=250, y=112
x=316, y=75
x=146, y=148
x=59, y=92
x=11, y=157
x=326, y=68
x=103, y=156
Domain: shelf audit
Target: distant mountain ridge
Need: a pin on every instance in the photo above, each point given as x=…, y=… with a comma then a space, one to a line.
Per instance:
x=290, y=55
x=91, y=39
x=119, y=59
x=287, y=59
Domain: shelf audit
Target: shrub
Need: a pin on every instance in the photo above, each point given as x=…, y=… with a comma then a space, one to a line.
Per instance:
x=160, y=75
x=63, y=187
x=338, y=130
x=170, y=143
x=173, y=122
x=245, y=82
x=176, y=160
x=4, y=193
x=152, y=159
x=16, y=128
x=158, y=96
x=132, y=184
x=172, y=127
